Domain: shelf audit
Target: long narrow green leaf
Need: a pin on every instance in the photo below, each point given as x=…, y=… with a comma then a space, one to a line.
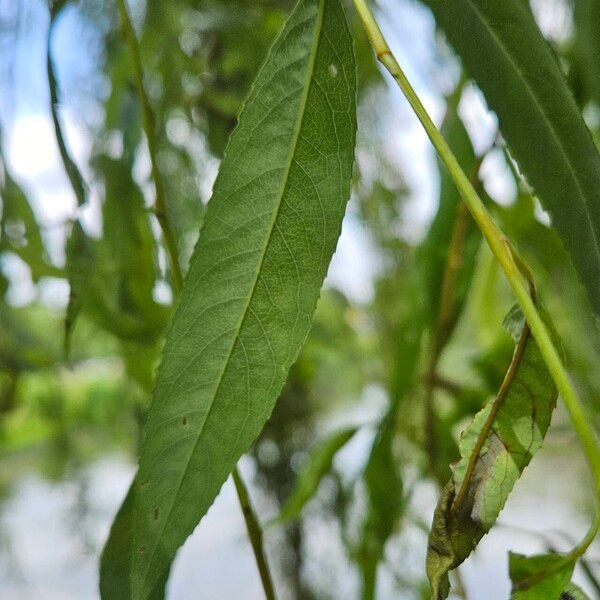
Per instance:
x=494, y=448
x=268, y=236
x=383, y=482
x=19, y=229
x=77, y=236
x=318, y=465
x=385, y=498
x=503, y=49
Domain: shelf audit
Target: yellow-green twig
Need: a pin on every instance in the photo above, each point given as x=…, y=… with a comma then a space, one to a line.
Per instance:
x=512, y=265
x=149, y=125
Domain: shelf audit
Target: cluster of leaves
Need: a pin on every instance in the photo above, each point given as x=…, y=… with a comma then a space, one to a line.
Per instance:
x=265, y=244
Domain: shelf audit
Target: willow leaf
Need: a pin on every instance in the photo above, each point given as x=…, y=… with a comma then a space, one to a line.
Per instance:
x=19, y=230
x=555, y=585
x=269, y=233
x=77, y=236
x=318, y=465
x=494, y=449
x=385, y=501
x=504, y=51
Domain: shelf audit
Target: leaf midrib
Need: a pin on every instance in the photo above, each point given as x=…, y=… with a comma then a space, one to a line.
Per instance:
x=539, y=108
x=294, y=146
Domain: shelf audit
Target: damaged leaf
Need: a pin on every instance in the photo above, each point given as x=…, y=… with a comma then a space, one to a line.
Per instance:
x=494, y=449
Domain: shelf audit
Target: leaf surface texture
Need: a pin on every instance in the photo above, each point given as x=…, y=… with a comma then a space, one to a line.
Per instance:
x=269, y=232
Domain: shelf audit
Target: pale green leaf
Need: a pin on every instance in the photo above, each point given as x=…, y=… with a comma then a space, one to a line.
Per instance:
x=269, y=233
x=19, y=230
x=382, y=478
x=494, y=449
x=504, y=51
x=385, y=498
x=318, y=465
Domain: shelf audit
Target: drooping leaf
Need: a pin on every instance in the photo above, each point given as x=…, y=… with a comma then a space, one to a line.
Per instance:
x=504, y=51
x=555, y=585
x=318, y=465
x=19, y=229
x=382, y=478
x=112, y=279
x=264, y=248
x=385, y=502
x=494, y=448
x=76, y=233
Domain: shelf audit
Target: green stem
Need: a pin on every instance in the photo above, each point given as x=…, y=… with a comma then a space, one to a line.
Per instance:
x=511, y=264
x=71, y=169
x=254, y=533
x=149, y=123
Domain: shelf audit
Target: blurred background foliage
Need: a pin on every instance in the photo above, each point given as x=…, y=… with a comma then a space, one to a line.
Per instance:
x=403, y=365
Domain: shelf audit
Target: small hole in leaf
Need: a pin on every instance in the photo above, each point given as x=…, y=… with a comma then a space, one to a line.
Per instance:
x=155, y=514
x=333, y=70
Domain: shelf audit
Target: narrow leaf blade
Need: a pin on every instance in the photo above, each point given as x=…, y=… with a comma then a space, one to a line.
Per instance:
x=248, y=300
x=318, y=465
x=504, y=51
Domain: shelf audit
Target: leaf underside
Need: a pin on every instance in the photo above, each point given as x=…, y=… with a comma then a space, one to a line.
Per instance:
x=493, y=456
x=269, y=233
x=504, y=51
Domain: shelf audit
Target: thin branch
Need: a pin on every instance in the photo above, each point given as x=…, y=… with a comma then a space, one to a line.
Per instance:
x=513, y=268
x=149, y=123
x=71, y=169
x=254, y=533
